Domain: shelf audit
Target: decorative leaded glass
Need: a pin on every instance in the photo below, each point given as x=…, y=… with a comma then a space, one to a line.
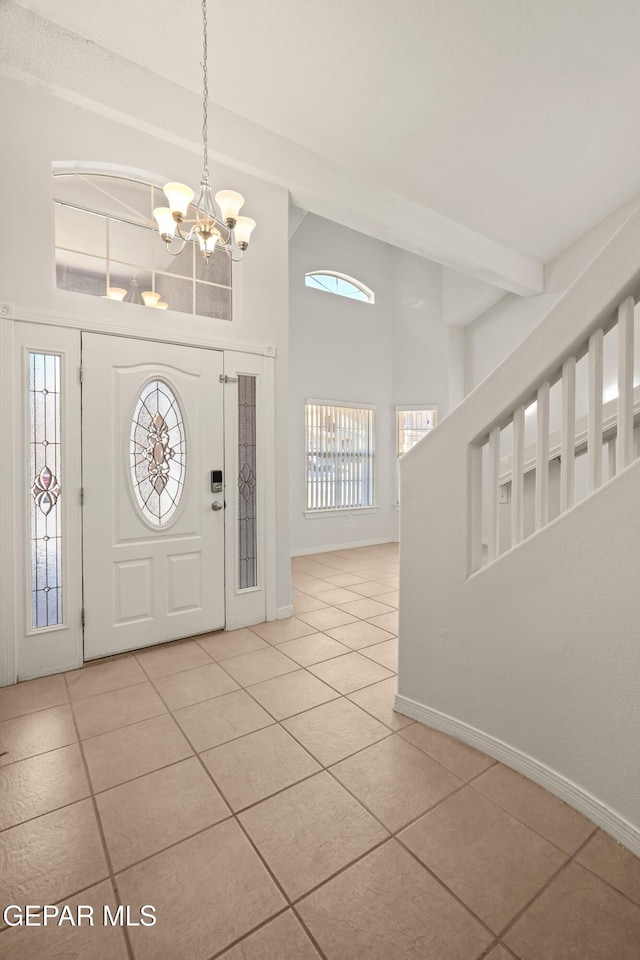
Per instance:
x=158, y=453
x=247, y=504
x=45, y=479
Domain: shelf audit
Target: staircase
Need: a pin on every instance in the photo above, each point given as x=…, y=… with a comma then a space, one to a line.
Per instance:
x=520, y=630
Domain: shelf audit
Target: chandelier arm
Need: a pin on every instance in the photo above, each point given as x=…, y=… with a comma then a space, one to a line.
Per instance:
x=226, y=236
x=181, y=234
x=175, y=253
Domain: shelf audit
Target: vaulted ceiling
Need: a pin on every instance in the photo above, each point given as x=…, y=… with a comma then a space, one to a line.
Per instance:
x=486, y=135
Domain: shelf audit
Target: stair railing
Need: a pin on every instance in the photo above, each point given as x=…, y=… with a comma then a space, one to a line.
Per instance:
x=493, y=475
x=601, y=298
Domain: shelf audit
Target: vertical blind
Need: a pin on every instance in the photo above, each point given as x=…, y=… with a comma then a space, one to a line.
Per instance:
x=339, y=442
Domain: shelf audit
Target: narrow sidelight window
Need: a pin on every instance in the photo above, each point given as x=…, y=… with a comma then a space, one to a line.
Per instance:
x=45, y=478
x=247, y=504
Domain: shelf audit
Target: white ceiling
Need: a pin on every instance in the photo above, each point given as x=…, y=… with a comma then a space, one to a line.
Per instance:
x=513, y=118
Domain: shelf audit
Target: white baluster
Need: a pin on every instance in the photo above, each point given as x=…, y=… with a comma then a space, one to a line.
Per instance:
x=568, y=442
x=542, y=456
x=494, y=493
x=594, y=444
x=625, y=383
x=474, y=528
x=517, y=477
x=611, y=448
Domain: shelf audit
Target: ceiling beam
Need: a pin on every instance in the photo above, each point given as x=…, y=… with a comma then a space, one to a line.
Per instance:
x=34, y=49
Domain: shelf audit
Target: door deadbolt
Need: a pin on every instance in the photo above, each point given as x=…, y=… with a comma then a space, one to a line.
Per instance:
x=216, y=481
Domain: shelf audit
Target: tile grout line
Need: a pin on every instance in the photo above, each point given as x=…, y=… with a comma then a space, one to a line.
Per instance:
x=523, y=822
x=29, y=713
x=233, y=815
x=508, y=950
x=307, y=670
x=500, y=933
x=34, y=756
x=280, y=723
x=570, y=859
x=240, y=825
x=635, y=903
x=392, y=835
x=441, y=883
x=105, y=849
x=256, y=929
x=123, y=726
x=485, y=953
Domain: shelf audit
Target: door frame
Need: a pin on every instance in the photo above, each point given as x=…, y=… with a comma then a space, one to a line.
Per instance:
x=13, y=580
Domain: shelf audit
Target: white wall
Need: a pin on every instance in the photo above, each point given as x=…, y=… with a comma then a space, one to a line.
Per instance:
x=392, y=352
x=498, y=331
x=535, y=657
x=38, y=129
x=420, y=338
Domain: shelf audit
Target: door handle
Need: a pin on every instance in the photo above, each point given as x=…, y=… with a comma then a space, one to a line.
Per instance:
x=216, y=505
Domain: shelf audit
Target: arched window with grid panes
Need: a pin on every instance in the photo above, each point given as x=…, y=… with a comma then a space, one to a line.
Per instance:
x=339, y=283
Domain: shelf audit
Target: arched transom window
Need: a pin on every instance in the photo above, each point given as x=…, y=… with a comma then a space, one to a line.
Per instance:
x=339, y=283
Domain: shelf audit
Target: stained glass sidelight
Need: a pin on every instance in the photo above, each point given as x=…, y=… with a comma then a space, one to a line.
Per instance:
x=46, y=490
x=158, y=453
x=247, y=504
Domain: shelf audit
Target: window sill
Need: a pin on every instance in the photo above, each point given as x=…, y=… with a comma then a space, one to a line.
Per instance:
x=340, y=512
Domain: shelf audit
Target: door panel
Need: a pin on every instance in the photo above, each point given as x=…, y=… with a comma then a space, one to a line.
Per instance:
x=153, y=547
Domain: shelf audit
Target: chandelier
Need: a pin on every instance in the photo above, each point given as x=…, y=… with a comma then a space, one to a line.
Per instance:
x=216, y=221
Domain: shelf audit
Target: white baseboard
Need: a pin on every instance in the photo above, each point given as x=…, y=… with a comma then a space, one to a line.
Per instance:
x=305, y=551
x=598, y=812
x=282, y=613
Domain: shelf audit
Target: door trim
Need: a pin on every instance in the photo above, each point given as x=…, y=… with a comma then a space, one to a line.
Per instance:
x=123, y=325
x=11, y=438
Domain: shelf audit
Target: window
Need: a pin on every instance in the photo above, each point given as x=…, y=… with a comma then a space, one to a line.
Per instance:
x=412, y=424
x=339, y=444
x=45, y=481
x=247, y=492
x=107, y=246
x=339, y=283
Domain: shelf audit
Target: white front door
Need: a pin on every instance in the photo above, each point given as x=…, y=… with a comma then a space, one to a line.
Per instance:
x=153, y=530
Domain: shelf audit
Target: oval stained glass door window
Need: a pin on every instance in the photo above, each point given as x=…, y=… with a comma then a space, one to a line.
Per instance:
x=158, y=453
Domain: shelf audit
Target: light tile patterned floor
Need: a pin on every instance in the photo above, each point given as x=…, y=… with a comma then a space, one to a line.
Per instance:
x=258, y=789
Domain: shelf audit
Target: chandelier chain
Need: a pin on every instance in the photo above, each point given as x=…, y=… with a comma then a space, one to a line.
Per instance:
x=205, y=92
x=216, y=225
